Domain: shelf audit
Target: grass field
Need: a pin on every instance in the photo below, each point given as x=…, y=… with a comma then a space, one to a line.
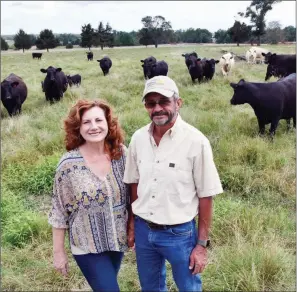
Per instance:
x=253, y=231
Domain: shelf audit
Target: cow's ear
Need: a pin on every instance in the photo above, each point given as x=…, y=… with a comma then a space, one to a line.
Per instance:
x=183, y=55
x=198, y=59
x=263, y=54
x=231, y=57
x=223, y=58
x=273, y=54
x=233, y=85
x=217, y=61
x=142, y=61
x=98, y=60
x=241, y=82
x=142, y=65
x=59, y=69
x=43, y=70
x=14, y=84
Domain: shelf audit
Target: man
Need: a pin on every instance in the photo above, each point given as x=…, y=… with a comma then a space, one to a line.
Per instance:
x=173, y=177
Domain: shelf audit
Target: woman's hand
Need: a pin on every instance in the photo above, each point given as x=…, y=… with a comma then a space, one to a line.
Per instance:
x=61, y=262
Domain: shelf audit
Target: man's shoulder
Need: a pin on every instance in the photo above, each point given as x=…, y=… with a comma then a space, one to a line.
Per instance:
x=138, y=134
x=193, y=133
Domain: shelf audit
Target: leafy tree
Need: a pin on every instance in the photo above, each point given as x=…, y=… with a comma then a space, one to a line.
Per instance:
x=46, y=40
x=145, y=37
x=256, y=12
x=222, y=36
x=122, y=38
x=87, y=36
x=156, y=27
x=103, y=36
x=4, y=44
x=22, y=41
x=33, y=39
x=240, y=32
x=290, y=33
x=274, y=33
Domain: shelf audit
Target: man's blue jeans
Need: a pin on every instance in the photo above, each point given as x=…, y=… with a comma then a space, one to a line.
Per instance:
x=101, y=269
x=175, y=244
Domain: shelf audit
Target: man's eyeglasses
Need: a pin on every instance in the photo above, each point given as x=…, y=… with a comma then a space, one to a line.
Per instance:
x=161, y=102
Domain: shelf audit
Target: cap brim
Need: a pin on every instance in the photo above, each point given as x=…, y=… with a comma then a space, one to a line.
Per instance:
x=166, y=93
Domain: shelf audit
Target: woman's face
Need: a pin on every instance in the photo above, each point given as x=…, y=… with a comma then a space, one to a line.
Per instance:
x=94, y=127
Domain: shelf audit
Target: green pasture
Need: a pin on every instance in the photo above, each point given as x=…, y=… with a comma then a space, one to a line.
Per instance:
x=253, y=232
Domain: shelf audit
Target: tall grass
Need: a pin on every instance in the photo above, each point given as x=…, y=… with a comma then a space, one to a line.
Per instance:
x=253, y=230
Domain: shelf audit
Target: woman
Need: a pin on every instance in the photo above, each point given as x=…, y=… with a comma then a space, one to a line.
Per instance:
x=89, y=196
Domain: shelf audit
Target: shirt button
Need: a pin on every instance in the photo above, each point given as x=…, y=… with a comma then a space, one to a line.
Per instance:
x=157, y=161
x=151, y=213
x=155, y=179
x=153, y=197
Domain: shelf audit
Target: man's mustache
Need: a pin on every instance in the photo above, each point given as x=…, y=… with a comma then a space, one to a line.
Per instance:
x=159, y=114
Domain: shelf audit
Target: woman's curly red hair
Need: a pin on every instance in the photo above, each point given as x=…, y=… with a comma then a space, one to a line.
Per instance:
x=73, y=139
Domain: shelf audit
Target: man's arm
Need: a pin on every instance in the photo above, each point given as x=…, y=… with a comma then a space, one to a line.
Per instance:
x=130, y=227
x=198, y=256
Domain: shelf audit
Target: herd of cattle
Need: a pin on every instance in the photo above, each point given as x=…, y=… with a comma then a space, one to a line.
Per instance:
x=271, y=101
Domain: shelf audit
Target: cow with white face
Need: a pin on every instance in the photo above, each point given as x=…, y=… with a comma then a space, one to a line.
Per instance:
x=227, y=63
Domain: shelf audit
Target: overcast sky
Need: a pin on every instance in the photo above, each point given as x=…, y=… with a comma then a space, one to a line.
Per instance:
x=68, y=17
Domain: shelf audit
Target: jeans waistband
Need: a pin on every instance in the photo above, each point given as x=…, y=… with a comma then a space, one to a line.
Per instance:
x=153, y=225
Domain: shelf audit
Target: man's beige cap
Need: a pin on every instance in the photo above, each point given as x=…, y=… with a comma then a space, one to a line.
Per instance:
x=160, y=84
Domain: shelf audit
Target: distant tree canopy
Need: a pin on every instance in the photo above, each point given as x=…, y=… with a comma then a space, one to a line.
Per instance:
x=4, y=45
x=87, y=36
x=122, y=38
x=256, y=12
x=46, y=40
x=68, y=38
x=103, y=36
x=154, y=29
x=290, y=33
x=192, y=35
x=240, y=32
x=223, y=36
x=22, y=41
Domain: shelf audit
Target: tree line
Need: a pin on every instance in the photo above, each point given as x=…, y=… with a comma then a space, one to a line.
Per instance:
x=157, y=30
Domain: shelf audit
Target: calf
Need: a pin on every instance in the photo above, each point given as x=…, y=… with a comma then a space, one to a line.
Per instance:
x=75, y=79
x=209, y=68
x=281, y=65
x=147, y=62
x=159, y=68
x=270, y=101
x=196, y=68
x=89, y=56
x=105, y=64
x=13, y=94
x=187, y=61
x=37, y=55
x=227, y=63
x=54, y=84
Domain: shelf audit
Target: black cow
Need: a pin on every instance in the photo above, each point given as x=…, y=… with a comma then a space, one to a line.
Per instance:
x=90, y=56
x=105, y=64
x=13, y=94
x=281, y=65
x=37, y=55
x=157, y=69
x=147, y=62
x=54, y=84
x=195, y=68
x=270, y=101
x=209, y=68
x=75, y=79
x=187, y=61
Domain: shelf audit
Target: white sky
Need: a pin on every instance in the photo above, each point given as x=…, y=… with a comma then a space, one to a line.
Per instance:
x=68, y=17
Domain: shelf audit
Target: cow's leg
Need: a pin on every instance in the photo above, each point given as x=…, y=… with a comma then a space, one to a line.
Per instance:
x=273, y=127
x=261, y=127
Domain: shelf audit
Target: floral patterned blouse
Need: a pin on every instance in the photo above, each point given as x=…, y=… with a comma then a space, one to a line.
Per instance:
x=94, y=210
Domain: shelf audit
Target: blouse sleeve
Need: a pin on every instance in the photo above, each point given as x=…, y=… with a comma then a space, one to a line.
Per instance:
x=62, y=189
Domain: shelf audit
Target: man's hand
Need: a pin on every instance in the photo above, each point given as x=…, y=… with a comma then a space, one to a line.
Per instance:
x=130, y=232
x=198, y=259
x=61, y=262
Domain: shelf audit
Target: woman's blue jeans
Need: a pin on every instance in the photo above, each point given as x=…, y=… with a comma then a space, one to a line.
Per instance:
x=101, y=269
x=154, y=246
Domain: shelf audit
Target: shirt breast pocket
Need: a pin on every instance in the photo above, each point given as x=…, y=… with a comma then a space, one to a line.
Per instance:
x=181, y=171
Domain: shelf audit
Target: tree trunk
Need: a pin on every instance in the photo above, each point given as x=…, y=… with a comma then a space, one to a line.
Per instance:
x=156, y=44
x=259, y=41
x=237, y=44
x=23, y=49
x=101, y=46
x=47, y=49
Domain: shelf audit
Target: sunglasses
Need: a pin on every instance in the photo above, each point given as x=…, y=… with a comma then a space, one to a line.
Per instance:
x=161, y=102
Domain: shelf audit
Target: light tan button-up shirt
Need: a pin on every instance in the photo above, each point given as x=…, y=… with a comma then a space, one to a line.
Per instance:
x=172, y=176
